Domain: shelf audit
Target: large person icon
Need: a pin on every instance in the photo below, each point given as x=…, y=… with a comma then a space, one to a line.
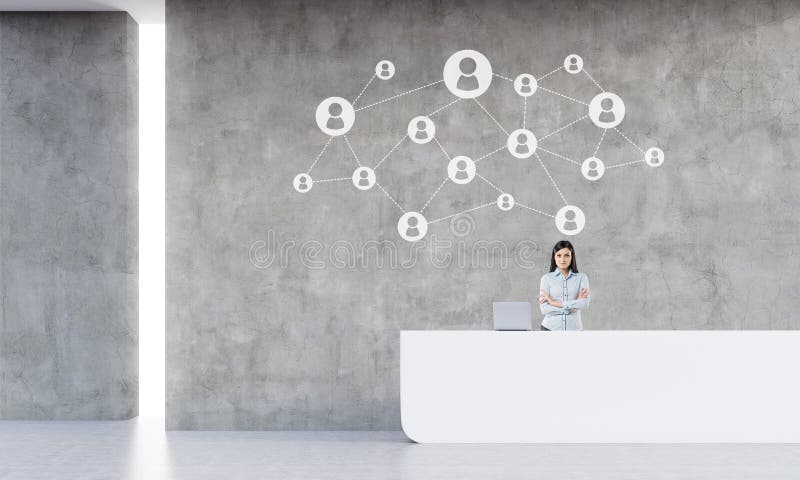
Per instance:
x=570, y=220
x=606, y=110
x=467, y=74
x=335, y=116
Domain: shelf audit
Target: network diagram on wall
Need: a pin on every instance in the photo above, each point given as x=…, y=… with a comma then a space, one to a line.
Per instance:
x=467, y=75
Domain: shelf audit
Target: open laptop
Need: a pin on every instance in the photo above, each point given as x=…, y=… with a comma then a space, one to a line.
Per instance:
x=512, y=315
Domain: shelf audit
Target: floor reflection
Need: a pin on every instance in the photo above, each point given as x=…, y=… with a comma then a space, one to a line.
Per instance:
x=140, y=449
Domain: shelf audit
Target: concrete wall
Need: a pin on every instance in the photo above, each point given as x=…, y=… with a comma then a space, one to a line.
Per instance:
x=68, y=216
x=264, y=337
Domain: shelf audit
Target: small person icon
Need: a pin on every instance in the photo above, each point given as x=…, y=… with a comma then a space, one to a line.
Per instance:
x=335, y=121
x=607, y=106
x=570, y=223
x=526, y=85
x=573, y=64
x=506, y=201
x=467, y=81
x=412, y=230
x=385, y=70
x=522, y=144
x=303, y=183
x=364, y=180
x=422, y=132
x=412, y=226
x=462, y=174
x=593, y=169
x=654, y=156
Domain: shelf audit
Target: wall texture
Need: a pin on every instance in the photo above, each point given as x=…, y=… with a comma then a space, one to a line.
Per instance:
x=266, y=330
x=68, y=216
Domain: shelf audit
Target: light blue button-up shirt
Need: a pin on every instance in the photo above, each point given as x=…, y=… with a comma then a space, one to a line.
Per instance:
x=564, y=290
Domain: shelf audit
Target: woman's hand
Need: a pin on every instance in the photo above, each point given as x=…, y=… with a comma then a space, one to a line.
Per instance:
x=544, y=297
x=584, y=293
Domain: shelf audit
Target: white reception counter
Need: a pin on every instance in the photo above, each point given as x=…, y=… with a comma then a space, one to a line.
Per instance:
x=600, y=386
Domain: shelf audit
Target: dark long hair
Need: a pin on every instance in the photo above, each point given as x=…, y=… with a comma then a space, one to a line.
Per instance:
x=563, y=244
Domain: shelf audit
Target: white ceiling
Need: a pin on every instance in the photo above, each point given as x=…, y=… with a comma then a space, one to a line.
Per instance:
x=143, y=11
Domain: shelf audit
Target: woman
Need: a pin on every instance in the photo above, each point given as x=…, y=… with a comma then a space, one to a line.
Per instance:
x=563, y=292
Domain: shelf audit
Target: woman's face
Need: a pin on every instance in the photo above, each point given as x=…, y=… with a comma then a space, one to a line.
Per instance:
x=563, y=258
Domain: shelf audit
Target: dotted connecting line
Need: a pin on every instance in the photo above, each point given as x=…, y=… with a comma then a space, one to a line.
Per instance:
x=434, y=194
x=319, y=155
x=565, y=126
x=599, y=143
x=562, y=95
x=442, y=148
x=461, y=213
x=524, y=110
x=390, y=197
x=551, y=178
x=558, y=156
x=490, y=116
x=390, y=151
x=547, y=75
x=332, y=179
x=351, y=150
x=629, y=140
x=399, y=95
x=363, y=90
x=487, y=181
x=624, y=164
x=490, y=154
x=534, y=210
x=442, y=108
x=503, y=77
x=593, y=80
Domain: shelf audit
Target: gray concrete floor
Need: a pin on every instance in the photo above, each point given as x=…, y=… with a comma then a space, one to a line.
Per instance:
x=140, y=449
